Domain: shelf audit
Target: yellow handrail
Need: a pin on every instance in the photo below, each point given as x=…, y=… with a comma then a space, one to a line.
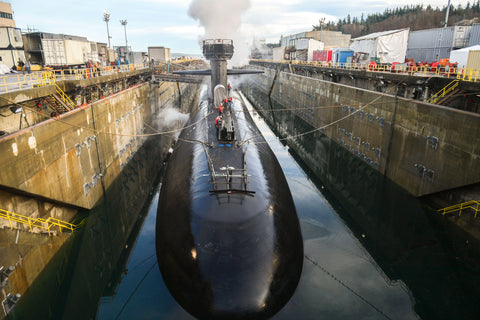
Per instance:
x=46, y=224
x=461, y=74
x=473, y=204
x=442, y=93
x=66, y=99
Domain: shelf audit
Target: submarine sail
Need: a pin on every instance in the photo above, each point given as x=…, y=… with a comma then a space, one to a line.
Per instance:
x=228, y=239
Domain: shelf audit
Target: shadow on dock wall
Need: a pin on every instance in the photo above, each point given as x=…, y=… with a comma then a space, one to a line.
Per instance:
x=72, y=283
x=81, y=268
x=409, y=242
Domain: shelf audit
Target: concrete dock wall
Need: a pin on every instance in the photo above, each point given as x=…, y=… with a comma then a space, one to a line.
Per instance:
x=72, y=159
x=422, y=147
x=75, y=162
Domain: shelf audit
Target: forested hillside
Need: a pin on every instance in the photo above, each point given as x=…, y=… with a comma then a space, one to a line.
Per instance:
x=416, y=17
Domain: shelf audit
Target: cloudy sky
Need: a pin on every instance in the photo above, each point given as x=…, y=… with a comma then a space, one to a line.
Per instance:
x=178, y=23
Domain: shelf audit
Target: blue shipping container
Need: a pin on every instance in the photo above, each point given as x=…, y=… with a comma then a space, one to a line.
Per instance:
x=343, y=55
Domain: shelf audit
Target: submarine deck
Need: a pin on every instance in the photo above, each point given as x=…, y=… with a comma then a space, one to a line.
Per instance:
x=226, y=159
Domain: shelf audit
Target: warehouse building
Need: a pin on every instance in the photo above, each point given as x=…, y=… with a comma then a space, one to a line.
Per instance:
x=435, y=44
x=383, y=47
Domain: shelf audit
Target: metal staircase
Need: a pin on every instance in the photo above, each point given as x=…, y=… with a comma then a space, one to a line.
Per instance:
x=445, y=91
x=59, y=101
x=450, y=97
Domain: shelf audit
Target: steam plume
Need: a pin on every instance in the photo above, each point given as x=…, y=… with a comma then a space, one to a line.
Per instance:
x=222, y=20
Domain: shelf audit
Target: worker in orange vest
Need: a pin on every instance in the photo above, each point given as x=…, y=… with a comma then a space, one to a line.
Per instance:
x=218, y=123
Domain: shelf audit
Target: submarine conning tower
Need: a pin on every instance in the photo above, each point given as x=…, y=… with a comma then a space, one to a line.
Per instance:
x=218, y=51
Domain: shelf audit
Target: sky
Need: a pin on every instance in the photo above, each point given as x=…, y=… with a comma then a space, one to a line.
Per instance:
x=180, y=24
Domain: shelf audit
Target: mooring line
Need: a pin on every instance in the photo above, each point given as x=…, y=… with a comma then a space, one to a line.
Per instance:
x=314, y=130
x=331, y=275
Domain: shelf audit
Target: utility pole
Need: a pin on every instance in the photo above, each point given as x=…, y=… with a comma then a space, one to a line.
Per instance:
x=106, y=18
x=321, y=22
x=124, y=24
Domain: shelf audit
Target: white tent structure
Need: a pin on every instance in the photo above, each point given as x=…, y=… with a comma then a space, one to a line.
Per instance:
x=387, y=46
x=460, y=56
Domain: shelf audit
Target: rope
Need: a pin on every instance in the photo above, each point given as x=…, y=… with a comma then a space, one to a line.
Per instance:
x=310, y=108
x=315, y=263
x=102, y=131
x=311, y=131
x=206, y=143
x=135, y=290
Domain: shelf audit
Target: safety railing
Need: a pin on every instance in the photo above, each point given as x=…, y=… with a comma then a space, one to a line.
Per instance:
x=15, y=82
x=44, y=224
x=474, y=205
x=19, y=81
x=468, y=75
x=65, y=98
x=425, y=70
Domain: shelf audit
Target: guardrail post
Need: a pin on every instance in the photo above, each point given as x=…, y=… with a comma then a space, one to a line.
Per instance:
x=9, y=221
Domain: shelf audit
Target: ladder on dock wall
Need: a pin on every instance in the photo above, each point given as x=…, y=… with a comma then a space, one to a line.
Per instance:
x=49, y=224
x=458, y=208
x=59, y=101
x=442, y=93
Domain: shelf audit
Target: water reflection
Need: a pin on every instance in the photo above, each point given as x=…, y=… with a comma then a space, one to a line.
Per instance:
x=340, y=280
x=407, y=243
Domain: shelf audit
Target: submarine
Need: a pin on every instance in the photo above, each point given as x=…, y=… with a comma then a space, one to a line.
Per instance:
x=228, y=238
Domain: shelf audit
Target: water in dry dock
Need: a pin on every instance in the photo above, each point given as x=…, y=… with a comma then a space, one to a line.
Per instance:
x=389, y=261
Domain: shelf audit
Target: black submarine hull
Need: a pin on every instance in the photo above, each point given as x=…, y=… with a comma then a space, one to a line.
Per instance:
x=227, y=252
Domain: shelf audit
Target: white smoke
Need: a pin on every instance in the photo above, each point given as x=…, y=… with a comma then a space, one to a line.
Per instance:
x=222, y=20
x=171, y=119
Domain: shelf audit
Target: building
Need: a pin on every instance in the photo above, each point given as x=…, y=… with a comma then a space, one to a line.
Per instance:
x=291, y=40
x=330, y=39
x=466, y=57
x=121, y=53
x=59, y=50
x=11, y=46
x=106, y=55
x=11, y=42
x=383, y=47
x=435, y=44
x=6, y=15
x=159, y=54
x=474, y=38
x=304, y=49
x=137, y=57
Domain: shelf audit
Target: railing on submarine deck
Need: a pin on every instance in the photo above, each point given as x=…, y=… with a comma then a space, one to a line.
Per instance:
x=464, y=74
x=44, y=224
x=473, y=204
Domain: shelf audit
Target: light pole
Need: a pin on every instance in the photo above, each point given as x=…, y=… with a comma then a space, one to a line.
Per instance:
x=446, y=15
x=124, y=24
x=106, y=18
